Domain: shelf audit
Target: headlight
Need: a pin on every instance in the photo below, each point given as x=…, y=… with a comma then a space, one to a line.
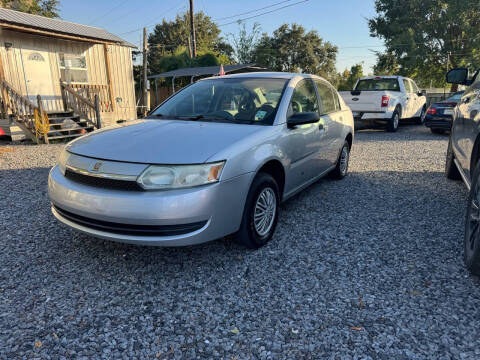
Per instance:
x=174, y=177
x=62, y=160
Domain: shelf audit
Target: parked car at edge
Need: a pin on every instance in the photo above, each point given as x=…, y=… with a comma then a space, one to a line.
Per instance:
x=216, y=158
x=462, y=161
x=386, y=100
x=439, y=115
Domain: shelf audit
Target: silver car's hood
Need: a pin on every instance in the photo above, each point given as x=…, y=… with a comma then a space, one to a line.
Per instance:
x=161, y=141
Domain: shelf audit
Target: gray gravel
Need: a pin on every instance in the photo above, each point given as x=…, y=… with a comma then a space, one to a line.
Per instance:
x=369, y=267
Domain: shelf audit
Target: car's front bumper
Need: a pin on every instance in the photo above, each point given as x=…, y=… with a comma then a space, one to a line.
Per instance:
x=217, y=208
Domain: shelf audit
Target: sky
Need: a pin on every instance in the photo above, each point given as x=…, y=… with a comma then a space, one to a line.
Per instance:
x=341, y=22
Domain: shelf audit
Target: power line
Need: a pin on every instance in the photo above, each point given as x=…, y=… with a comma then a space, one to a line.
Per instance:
x=150, y=25
x=264, y=13
x=251, y=11
x=108, y=12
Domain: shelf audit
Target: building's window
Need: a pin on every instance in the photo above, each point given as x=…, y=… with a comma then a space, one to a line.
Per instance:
x=73, y=68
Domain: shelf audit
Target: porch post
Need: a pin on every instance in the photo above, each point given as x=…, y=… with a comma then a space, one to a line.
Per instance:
x=97, y=112
x=109, y=75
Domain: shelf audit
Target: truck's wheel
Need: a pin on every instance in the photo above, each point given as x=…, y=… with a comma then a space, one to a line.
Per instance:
x=451, y=171
x=472, y=226
x=392, y=125
x=421, y=119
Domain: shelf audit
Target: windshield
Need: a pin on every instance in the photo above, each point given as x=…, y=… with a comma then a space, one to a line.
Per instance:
x=378, y=84
x=455, y=97
x=236, y=100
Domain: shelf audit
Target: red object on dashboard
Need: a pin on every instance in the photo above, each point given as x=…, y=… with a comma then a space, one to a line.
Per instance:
x=385, y=99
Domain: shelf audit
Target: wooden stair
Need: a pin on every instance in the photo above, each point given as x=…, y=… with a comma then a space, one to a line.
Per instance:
x=82, y=116
x=67, y=125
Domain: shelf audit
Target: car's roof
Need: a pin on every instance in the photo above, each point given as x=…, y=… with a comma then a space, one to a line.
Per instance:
x=265, y=74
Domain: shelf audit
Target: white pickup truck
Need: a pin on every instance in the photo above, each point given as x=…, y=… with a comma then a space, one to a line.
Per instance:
x=386, y=100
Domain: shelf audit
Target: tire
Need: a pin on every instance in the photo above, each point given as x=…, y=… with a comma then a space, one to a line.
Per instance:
x=437, y=131
x=451, y=171
x=251, y=234
x=392, y=125
x=471, y=255
x=421, y=119
x=341, y=169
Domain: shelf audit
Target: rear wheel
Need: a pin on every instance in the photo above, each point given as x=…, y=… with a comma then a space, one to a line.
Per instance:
x=392, y=125
x=472, y=226
x=260, y=214
x=451, y=171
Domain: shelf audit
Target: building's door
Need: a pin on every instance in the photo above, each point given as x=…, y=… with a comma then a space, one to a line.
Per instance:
x=38, y=78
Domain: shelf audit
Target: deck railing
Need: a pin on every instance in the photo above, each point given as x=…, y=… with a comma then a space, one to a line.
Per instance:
x=90, y=90
x=22, y=110
x=87, y=109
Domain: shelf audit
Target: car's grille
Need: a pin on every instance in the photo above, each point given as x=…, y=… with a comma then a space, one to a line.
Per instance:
x=102, y=182
x=129, y=229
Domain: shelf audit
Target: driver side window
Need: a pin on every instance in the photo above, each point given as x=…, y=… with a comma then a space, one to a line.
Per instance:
x=304, y=98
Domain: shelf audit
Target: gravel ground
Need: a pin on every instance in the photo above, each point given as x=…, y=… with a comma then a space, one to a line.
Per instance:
x=369, y=267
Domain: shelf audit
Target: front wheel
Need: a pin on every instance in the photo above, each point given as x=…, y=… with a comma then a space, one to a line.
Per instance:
x=341, y=168
x=472, y=226
x=260, y=215
x=392, y=125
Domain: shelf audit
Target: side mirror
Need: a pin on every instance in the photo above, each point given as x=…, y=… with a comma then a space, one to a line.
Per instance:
x=302, y=118
x=458, y=76
x=422, y=93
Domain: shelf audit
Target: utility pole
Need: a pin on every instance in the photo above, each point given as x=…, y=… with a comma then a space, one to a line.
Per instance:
x=144, y=88
x=192, y=31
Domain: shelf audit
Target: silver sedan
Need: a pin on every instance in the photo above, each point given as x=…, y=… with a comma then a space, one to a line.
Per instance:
x=217, y=158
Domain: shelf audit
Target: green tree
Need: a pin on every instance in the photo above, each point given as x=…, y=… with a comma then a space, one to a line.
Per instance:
x=348, y=78
x=244, y=43
x=48, y=8
x=419, y=35
x=292, y=49
x=387, y=64
x=169, y=36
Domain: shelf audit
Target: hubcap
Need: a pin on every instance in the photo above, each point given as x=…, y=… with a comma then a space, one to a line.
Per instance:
x=473, y=222
x=344, y=160
x=265, y=210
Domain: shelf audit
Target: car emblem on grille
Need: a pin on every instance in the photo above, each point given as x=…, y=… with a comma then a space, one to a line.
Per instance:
x=355, y=99
x=97, y=166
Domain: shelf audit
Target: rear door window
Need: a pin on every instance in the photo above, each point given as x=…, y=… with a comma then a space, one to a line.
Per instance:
x=414, y=86
x=408, y=87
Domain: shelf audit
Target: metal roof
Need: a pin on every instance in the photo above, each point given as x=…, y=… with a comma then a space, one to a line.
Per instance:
x=58, y=26
x=206, y=70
